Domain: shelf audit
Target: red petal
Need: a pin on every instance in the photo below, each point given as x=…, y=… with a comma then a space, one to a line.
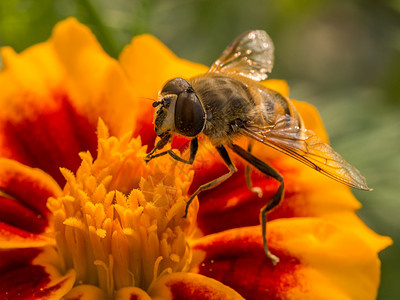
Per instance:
x=237, y=259
x=180, y=142
x=21, y=283
x=145, y=127
x=34, y=282
x=231, y=204
x=51, y=138
x=181, y=286
x=17, y=258
x=27, y=191
x=12, y=237
x=17, y=215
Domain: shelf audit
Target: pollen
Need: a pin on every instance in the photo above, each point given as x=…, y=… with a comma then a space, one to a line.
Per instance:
x=120, y=221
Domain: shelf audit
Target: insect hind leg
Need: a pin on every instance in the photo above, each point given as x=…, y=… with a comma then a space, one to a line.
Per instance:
x=274, y=201
x=254, y=189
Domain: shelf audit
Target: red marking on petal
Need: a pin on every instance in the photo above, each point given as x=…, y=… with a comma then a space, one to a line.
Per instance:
x=147, y=134
x=145, y=128
x=290, y=207
x=16, y=258
x=231, y=204
x=242, y=265
x=17, y=215
x=29, y=190
x=181, y=143
x=51, y=139
x=181, y=291
x=28, y=282
x=24, y=283
x=11, y=233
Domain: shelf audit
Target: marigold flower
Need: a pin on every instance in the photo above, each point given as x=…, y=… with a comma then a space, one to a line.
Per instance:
x=82, y=216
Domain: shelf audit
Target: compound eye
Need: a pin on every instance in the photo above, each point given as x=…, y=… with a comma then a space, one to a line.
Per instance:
x=189, y=114
x=175, y=86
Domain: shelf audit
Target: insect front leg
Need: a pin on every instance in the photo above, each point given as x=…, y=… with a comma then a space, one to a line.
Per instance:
x=194, y=145
x=160, y=144
x=232, y=169
x=274, y=201
x=255, y=189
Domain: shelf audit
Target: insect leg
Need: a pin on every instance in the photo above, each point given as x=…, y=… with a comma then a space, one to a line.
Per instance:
x=161, y=143
x=225, y=156
x=194, y=145
x=274, y=201
x=254, y=189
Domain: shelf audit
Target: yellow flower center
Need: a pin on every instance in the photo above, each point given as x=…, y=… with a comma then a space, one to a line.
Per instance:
x=120, y=221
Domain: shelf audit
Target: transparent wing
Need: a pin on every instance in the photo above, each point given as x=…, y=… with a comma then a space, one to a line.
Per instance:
x=286, y=136
x=251, y=54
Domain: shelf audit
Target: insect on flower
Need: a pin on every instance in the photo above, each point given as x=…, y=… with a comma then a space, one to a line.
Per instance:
x=228, y=102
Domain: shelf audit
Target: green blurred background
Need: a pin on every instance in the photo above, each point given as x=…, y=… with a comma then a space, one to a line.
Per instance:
x=342, y=56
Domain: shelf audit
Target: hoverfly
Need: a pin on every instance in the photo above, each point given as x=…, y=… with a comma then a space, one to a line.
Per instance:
x=228, y=102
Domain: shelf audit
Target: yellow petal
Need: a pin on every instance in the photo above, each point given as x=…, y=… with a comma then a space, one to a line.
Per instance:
x=278, y=85
x=149, y=64
x=335, y=259
x=318, y=260
x=312, y=119
x=73, y=64
x=129, y=293
x=94, y=80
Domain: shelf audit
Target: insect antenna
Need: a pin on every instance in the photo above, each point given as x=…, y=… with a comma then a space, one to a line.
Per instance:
x=155, y=103
x=147, y=98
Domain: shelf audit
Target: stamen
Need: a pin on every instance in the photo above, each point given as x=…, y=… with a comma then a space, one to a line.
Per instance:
x=119, y=222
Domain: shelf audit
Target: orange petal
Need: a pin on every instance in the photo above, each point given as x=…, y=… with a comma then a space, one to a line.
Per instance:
x=149, y=65
x=95, y=81
x=12, y=237
x=308, y=194
x=318, y=260
x=190, y=286
x=72, y=62
x=312, y=119
x=61, y=88
x=278, y=85
x=35, y=101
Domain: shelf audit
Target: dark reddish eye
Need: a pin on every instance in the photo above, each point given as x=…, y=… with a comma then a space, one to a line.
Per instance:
x=189, y=114
x=175, y=86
